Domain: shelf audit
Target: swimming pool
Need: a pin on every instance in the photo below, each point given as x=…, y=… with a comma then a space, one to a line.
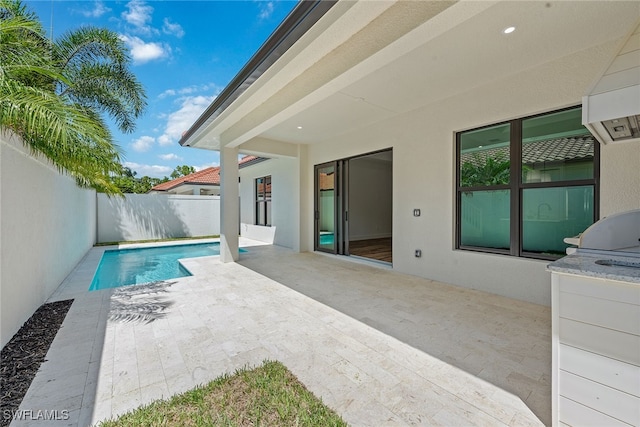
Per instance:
x=143, y=265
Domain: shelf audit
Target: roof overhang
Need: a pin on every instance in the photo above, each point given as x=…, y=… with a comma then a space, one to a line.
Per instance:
x=361, y=62
x=301, y=18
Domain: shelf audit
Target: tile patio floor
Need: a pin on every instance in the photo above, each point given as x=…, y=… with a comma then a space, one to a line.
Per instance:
x=380, y=347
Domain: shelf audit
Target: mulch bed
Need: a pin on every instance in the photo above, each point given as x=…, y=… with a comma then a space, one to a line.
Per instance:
x=21, y=357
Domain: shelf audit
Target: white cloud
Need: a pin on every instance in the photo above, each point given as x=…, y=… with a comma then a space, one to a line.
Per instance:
x=181, y=120
x=266, y=9
x=169, y=27
x=144, y=52
x=168, y=92
x=154, y=171
x=206, y=165
x=170, y=156
x=98, y=10
x=142, y=144
x=138, y=15
x=188, y=90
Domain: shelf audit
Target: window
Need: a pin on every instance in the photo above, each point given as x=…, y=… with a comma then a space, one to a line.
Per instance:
x=525, y=185
x=263, y=201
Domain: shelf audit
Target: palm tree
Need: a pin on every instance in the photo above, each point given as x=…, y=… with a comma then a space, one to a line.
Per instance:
x=94, y=62
x=52, y=94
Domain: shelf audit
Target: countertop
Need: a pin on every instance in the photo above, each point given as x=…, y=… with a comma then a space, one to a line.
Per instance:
x=583, y=263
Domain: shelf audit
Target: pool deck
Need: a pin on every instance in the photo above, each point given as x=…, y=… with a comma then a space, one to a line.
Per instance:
x=379, y=347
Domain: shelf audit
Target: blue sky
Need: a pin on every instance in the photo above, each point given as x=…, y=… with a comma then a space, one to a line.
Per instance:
x=184, y=53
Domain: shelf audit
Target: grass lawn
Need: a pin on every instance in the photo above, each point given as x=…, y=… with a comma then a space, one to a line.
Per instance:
x=268, y=395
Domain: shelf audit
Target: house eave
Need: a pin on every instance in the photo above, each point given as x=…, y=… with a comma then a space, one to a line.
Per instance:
x=298, y=22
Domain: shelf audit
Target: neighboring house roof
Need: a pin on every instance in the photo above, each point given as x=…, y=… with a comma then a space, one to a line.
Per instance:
x=208, y=176
x=326, y=181
x=550, y=150
x=250, y=160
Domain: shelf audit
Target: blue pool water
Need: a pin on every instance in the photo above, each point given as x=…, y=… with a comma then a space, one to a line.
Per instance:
x=326, y=239
x=136, y=266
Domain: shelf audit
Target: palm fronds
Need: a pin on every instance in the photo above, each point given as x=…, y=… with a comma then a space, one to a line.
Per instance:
x=52, y=94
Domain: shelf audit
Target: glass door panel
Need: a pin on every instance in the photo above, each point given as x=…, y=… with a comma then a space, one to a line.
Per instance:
x=325, y=215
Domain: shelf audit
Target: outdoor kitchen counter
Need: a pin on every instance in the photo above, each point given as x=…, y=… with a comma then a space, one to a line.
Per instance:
x=595, y=311
x=583, y=263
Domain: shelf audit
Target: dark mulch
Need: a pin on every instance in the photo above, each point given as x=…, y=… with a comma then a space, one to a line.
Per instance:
x=21, y=357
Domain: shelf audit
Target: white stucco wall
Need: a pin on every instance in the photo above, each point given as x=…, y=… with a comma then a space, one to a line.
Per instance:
x=156, y=216
x=47, y=224
x=619, y=177
x=423, y=144
x=284, y=209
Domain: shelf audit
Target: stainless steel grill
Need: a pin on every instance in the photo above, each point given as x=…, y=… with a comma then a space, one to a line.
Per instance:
x=619, y=232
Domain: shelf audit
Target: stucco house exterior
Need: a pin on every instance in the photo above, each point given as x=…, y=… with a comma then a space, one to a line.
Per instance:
x=205, y=182
x=450, y=131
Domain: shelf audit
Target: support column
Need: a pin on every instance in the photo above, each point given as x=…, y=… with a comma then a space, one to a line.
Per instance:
x=302, y=224
x=229, y=204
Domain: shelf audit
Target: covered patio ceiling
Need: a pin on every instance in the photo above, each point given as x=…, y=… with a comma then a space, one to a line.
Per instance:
x=364, y=62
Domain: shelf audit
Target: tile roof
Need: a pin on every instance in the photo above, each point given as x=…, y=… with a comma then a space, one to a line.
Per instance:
x=326, y=181
x=550, y=150
x=208, y=176
x=247, y=160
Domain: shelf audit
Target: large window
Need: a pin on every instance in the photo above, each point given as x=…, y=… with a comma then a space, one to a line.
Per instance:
x=263, y=200
x=525, y=185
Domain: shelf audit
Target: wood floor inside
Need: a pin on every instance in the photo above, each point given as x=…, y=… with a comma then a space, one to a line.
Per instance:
x=378, y=249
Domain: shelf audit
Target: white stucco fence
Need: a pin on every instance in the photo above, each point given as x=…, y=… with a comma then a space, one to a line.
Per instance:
x=47, y=225
x=156, y=216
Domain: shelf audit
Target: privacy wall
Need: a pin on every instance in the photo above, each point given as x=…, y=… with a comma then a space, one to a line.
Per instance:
x=47, y=224
x=156, y=216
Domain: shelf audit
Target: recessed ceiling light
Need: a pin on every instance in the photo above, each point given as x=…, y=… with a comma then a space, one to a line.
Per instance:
x=299, y=127
x=508, y=30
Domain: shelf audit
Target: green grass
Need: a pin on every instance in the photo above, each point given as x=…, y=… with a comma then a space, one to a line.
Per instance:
x=171, y=239
x=268, y=395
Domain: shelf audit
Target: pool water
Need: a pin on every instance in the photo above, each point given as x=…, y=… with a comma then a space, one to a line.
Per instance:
x=143, y=265
x=326, y=239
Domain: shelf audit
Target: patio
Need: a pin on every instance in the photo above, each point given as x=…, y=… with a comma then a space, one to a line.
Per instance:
x=380, y=347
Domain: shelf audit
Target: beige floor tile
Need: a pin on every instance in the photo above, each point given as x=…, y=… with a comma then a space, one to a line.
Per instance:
x=380, y=347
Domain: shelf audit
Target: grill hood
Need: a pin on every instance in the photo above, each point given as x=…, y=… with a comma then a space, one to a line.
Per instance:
x=611, y=109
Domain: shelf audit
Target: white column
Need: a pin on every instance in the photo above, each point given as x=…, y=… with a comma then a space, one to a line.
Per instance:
x=229, y=204
x=302, y=224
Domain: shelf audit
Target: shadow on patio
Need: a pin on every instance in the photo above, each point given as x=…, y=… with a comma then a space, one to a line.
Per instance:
x=503, y=341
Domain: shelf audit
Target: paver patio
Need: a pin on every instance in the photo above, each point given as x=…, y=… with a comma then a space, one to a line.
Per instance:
x=380, y=347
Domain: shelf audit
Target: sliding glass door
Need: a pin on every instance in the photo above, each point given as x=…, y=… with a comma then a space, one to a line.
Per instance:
x=353, y=206
x=326, y=207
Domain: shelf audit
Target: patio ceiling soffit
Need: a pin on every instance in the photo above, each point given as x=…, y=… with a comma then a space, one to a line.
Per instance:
x=356, y=54
x=269, y=148
x=372, y=69
x=348, y=43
